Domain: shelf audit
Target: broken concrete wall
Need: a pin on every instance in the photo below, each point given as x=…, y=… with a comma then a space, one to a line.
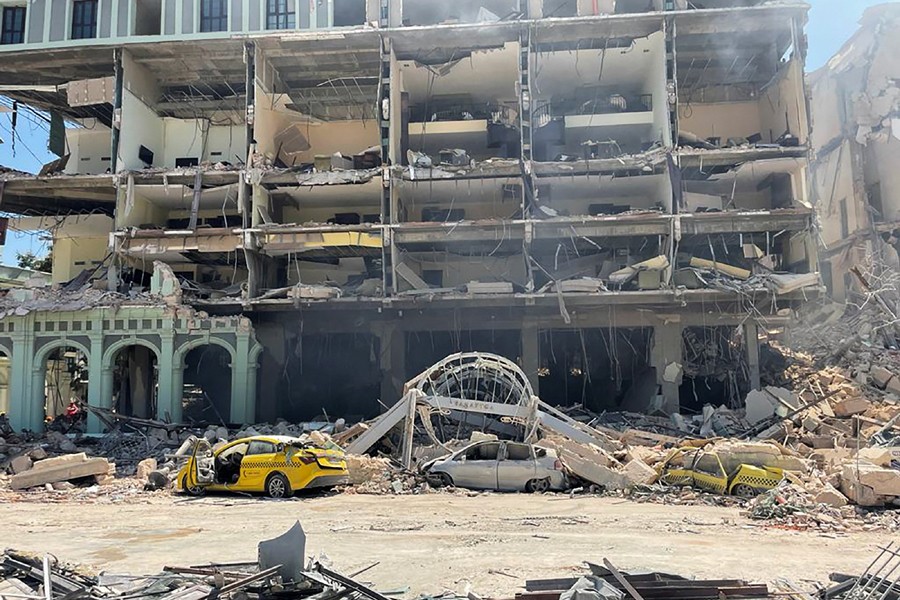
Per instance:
x=782, y=105
x=459, y=271
x=141, y=126
x=89, y=148
x=298, y=140
x=200, y=139
x=79, y=242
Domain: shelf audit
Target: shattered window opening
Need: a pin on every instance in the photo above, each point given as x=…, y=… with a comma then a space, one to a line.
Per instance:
x=84, y=19
x=213, y=15
x=13, y=25
x=280, y=14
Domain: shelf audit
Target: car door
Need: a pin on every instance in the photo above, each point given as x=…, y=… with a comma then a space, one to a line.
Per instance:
x=516, y=466
x=199, y=475
x=256, y=465
x=477, y=467
x=708, y=473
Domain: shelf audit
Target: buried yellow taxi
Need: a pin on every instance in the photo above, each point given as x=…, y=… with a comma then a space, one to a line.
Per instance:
x=704, y=470
x=275, y=465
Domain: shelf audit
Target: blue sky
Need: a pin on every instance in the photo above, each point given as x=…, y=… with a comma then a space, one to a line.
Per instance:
x=831, y=23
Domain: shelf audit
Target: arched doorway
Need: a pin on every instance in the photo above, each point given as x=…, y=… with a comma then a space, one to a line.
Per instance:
x=206, y=391
x=135, y=388
x=65, y=380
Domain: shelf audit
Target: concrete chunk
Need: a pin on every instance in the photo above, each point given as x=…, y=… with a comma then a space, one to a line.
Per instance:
x=850, y=407
x=880, y=376
x=20, y=464
x=60, y=472
x=638, y=472
x=830, y=496
x=145, y=467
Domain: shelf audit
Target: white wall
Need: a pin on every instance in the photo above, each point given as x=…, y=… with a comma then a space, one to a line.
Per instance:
x=196, y=138
x=140, y=126
x=88, y=148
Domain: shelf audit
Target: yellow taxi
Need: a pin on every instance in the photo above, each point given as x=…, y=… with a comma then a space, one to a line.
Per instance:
x=704, y=470
x=275, y=465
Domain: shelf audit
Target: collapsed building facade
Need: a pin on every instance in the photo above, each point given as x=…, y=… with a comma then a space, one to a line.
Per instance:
x=856, y=141
x=324, y=198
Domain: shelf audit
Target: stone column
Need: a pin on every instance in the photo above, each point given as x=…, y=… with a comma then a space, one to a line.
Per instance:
x=99, y=390
x=241, y=395
x=393, y=363
x=751, y=339
x=666, y=358
x=20, y=377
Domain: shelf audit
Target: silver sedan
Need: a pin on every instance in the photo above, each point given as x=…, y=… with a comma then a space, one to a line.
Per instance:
x=498, y=465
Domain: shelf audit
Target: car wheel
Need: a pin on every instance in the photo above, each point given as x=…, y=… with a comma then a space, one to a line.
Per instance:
x=745, y=491
x=440, y=480
x=538, y=486
x=191, y=491
x=277, y=486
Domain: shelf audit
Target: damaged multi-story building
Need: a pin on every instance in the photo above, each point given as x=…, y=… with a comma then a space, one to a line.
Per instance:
x=276, y=208
x=856, y=154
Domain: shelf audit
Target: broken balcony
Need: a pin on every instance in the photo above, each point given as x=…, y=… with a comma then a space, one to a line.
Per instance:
x=740, y=86
x=460, y=111
x=593, y=265
x=441, y=212
x=181, y=226
x=781, y=263
x=751, y=197
x=599, y=98
x=169, y=124
x=575, y=200
x=475, y=271
x=324, y=221
x=436, y=12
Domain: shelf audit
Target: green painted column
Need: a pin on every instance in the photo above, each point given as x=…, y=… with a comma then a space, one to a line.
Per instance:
x=20, y=380
x=98, y=394
x=250, y=414
x=166, y=369
x=36, y=407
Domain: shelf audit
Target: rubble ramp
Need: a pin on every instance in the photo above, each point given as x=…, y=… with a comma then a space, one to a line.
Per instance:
x=474, y=383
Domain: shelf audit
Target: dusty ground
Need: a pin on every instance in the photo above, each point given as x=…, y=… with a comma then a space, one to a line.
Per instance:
x=435, y=542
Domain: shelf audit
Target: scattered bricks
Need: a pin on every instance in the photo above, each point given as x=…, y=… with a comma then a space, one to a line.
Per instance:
x=831, y=497
x=880, y=376
x=20, y=464
x=145, y=467
x=639, y=473
x=850, y=407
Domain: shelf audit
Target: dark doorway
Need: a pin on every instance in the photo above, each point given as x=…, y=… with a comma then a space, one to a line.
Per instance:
x=135, y=378
x=206, y=394
x=595, y=368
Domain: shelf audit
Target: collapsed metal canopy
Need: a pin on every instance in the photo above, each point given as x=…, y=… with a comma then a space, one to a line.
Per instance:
x=475, y=376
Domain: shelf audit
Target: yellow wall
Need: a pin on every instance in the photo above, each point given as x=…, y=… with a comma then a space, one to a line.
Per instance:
x=71, y=256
